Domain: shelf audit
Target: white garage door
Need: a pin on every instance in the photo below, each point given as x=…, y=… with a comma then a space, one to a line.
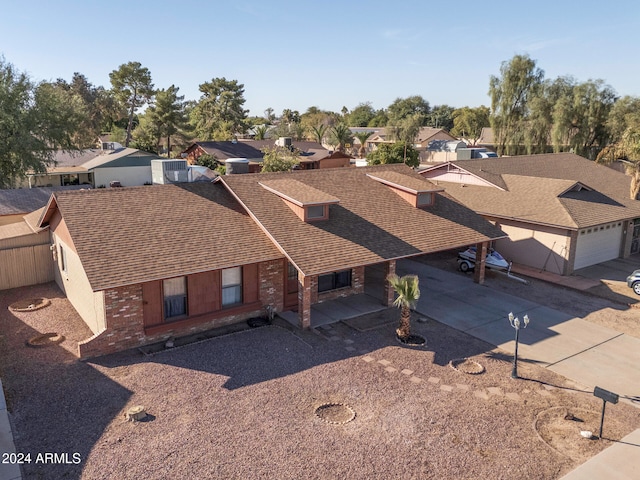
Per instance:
x=598, y=244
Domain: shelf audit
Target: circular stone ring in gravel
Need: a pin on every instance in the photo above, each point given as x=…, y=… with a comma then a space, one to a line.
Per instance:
x=335, y=413
x=45, y=340
x=29, y=304
x=466, y=365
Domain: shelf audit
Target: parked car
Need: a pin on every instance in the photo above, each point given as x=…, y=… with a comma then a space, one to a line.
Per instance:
x=633, y=281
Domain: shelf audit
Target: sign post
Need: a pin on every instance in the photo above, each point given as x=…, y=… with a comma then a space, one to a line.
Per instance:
x=606, y=396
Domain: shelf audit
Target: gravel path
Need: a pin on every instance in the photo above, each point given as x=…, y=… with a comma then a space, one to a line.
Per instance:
x=242, y=405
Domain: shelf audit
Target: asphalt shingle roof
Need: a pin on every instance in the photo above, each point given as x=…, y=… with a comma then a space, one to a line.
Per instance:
x=137, y=234
x=371, y=223
x=24, y=200
x=538, y=188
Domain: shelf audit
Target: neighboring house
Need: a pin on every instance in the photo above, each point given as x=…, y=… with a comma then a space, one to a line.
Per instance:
x=96, y=168
x=143, y=264
x=15, y=203
x=312, y=154
x=424, y=136
x=561, y=211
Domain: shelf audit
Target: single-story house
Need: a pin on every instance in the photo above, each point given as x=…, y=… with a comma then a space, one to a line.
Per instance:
x=312, y=154
x=561, y=211
x=142, y=264
x=95, y=168
x=424, y=136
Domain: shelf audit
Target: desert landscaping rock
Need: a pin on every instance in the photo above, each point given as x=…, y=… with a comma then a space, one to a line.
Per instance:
x=242, y=406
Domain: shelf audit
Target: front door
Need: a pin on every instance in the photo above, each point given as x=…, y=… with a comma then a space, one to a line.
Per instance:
x=291, y=288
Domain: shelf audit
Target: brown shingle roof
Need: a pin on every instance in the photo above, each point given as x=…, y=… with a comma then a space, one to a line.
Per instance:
x=538, y=189
x=297, y=192
x=409, y=183
x=130, y=235
x=369, y=225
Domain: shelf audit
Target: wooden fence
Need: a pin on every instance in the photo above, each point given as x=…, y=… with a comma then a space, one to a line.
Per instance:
x=24, y=266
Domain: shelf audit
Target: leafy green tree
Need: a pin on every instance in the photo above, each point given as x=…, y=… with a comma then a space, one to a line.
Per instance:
x=219, y=114
x=440, y=116
x=469, y=122
x=402, y=108
x=209, y=161
x=627, y=149
x=361, y=115
x=340, y=136
x=362, y=138
x=398, y=152
x=579, y=119
x=35, y=121
x=146, y=135
x=131, y=85
x=519, y=80
x=379, y=120
x=279, y=159
x=408, y=291
x=290, y=116
x=314, y=117
x=97, y=107
x=624, y=113
x=168, y=115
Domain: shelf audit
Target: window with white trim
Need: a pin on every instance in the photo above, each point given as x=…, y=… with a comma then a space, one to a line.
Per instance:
x=231, y=286
x=315, y=211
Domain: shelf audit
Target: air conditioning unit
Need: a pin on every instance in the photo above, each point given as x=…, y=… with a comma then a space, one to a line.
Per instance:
x=169, y=171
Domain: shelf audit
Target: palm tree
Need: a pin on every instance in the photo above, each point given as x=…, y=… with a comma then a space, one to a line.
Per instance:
x=627, y=150
x=362, y=136
x=408, y=294
x=341, y=135
x=261, y=132
x=319, y=132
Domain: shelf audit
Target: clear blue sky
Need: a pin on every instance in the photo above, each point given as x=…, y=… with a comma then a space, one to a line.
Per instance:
x=295, y=54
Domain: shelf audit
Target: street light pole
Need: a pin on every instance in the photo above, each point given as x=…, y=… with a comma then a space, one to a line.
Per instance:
x=515, y=323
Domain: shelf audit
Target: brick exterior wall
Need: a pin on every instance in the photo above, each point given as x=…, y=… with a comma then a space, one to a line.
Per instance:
x=125, y=321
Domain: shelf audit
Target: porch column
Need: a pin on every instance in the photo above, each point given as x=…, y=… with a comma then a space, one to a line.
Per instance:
x=481, y=260
x=389, y=293
x=304, y=300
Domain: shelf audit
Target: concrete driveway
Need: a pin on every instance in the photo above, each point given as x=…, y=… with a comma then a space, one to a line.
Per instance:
x=613, y=277
x=587, y=353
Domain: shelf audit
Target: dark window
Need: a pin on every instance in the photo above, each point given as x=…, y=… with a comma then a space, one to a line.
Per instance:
x=63, y=259
x=315, y=211
x=175, y=297
x=425, y=199
x=334, y=280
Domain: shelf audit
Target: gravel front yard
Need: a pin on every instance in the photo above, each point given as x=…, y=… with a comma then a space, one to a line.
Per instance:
x=242, y=405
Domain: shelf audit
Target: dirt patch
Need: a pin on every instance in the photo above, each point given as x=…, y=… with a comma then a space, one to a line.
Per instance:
x=466, y=365
x=560, y=427
x=30, y=304
x=335, y=413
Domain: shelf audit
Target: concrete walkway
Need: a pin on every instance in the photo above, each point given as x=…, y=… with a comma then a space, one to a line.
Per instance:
x=618, y=462
x=333, y=311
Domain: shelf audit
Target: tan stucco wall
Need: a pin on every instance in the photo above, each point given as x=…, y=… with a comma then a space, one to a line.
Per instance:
x=75, y=285
x=545, y=248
